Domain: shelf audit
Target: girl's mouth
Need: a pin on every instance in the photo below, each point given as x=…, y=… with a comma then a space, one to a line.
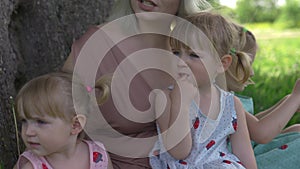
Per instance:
x=33, y=144
x=147, y=5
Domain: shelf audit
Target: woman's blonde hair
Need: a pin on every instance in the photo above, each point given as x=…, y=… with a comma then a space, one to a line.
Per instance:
x=51, y=94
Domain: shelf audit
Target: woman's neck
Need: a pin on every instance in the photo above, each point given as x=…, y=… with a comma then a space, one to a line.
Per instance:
x=152, y=49
x=157, y=23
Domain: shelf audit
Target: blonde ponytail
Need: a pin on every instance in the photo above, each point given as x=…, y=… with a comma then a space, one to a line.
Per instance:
x=103, y=84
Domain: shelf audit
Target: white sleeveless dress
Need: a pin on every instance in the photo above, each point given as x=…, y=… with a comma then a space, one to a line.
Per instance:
x=210, y=146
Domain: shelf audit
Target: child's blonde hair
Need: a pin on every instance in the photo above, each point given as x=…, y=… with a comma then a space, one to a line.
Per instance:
x=224, y=38
x=51, y=94
x=246, y=43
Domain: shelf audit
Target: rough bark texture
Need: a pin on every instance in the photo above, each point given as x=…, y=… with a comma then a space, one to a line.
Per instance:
x=35, y=38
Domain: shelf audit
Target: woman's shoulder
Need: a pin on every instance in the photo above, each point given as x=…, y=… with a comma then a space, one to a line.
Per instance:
x=90, y=31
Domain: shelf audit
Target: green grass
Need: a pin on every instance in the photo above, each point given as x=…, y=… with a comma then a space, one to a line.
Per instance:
x=277, y=66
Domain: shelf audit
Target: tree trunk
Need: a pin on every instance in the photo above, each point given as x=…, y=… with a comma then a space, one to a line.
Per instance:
x=35, y=38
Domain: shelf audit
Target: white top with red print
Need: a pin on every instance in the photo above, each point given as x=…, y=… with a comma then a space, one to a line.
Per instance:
x=210, y=140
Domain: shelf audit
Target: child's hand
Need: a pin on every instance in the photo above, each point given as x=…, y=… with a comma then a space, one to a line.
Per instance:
x=185, y=89
x=296, y=89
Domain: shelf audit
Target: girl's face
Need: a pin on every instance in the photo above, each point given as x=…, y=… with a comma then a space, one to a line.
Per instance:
x=198, y=64
x=45, y=135
x=163, y=6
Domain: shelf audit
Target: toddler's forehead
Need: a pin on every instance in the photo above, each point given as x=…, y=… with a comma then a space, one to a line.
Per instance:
x=33, y=112
x=31, y=115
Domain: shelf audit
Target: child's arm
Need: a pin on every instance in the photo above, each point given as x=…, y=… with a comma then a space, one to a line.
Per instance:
x=175, y=126
x=265, y=129
x=271, y=109
x=263, y=113
x=240, y=140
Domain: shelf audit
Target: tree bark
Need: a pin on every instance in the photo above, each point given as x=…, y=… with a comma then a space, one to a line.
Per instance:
x=36, y=38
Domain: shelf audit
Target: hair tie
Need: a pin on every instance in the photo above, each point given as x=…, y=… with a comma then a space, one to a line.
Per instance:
x=232, y=51
x=244, y=29
x=89, y=89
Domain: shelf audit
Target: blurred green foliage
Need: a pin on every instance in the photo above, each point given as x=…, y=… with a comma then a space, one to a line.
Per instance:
x=262, y=11
x=290, y=14
x=257, y=10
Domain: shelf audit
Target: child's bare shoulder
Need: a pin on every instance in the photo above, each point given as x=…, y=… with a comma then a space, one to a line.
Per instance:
x=238, y=106
x=26, y=165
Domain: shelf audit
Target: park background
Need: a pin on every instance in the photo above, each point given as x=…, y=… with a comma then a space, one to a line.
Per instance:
x=36, y=36
x=275, y=24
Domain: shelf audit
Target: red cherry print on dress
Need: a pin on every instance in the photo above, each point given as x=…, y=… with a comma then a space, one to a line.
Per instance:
x=44, y=166
x=182, y=162
x=227, y=161
x=234, y=124
x=210, y=144
x=283, y=147
x=240, y=163
x=97, y=157
x=196, y=123
x=222, y=154
x=156, y=153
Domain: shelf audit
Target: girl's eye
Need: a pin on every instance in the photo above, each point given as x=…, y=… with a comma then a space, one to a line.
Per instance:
x=194, y=55
x=176, y=53
x=41, y=122
x=23, y=121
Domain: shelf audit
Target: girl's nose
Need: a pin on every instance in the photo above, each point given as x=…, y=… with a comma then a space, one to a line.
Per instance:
x=29, y=129
x=182, y=64
x=182, y=61
x=183, y=67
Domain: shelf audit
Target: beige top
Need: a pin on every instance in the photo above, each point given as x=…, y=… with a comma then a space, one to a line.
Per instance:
x=139, y=95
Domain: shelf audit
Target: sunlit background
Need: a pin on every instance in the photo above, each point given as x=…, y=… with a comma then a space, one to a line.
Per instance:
x=232, y=3
x=275, y=23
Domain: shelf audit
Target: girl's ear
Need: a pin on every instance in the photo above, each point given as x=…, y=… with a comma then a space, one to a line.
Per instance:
x=78, y=123
x=226, y=61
